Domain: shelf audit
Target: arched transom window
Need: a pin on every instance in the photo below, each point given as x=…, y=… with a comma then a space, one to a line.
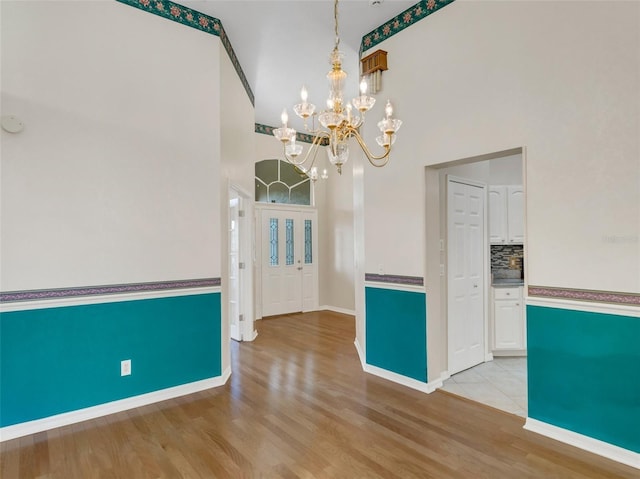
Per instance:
x=278, y=181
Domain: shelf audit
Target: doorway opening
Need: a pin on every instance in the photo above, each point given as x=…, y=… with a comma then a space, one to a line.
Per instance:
x=494, y=372
x=240, y=286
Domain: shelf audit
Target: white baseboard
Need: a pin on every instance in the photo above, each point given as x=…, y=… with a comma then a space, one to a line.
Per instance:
x=360, y=354
x=59, y=420
x=335, y=309
x=615, y=453
x=404, y=380
x=399, y=378
x=510, y=353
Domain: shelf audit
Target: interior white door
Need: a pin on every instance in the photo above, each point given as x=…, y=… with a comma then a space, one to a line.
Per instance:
x=466, y=288
x=234, y=268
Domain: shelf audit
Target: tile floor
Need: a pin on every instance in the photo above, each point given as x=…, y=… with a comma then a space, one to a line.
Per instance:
x=501, y=383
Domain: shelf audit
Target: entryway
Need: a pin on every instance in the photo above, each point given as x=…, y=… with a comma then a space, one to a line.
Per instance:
x=287, y=245
x=477, y=374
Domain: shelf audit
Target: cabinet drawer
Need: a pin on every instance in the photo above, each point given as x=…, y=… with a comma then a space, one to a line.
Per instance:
x=506, y=293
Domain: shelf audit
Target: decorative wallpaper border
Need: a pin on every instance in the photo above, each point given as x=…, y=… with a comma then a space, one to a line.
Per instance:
x=194, y=19
x=13, y=296
x=303, y=137
x=407, y=18
x=394, y=279
x=631, y=299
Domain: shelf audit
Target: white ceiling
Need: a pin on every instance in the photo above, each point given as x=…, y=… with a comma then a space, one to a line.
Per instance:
x=283, y=45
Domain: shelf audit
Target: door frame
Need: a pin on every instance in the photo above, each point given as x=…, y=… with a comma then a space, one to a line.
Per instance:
x=246, y=235
x=486, y=263
x=259, y=210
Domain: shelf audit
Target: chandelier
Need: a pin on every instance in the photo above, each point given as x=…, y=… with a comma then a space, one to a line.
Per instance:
x=339, y=121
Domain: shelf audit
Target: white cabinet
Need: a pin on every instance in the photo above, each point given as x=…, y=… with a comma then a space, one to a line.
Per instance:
x=509, y=329
x=498, y=214
x=515, y=214
x=506, y=214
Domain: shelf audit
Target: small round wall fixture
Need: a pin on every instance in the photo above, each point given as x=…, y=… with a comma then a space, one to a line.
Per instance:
x=12, y=124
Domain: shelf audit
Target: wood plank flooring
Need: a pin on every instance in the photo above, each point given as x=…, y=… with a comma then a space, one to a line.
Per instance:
x=299, y=406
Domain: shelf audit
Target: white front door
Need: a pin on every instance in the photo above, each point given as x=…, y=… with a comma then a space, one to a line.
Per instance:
x=466, y=284
x=289, y=273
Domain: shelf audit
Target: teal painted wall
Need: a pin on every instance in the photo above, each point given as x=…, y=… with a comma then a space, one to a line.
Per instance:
x=58, y=360
x=584, y=373
x=396, y=331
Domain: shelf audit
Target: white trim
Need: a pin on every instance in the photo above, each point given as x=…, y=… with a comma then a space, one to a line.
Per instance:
x=105, y=298
x=403, y=380
x=615, y=453
x=360, y=354
x=59, y=420
x=240, y=189
x=335, y=309
x=394, y=286
x=509, y=352
x=283, y=206
x=603, y=308
x=466, y=181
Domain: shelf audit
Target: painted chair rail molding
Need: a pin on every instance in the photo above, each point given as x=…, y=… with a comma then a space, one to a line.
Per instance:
x=58, y=293
x=586, y=295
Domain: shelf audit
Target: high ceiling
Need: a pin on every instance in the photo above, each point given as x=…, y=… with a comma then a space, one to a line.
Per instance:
x=283, y=45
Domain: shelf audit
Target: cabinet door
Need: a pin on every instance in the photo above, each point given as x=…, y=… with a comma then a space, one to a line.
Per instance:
x=498, y=214
x=515, y=214
x=508, y=327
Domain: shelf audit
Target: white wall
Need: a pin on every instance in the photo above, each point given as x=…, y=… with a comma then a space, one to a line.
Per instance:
x=337, y=289
x=560, y=80
x=237, y=145
x=237, y=128
x=115, y=176
x=506, y=170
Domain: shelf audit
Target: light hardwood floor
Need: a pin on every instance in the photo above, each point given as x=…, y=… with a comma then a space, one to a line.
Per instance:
x=299, y=405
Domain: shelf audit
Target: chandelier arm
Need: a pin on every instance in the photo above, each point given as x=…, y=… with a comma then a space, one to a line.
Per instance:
x=370, y=156
x=314, y=146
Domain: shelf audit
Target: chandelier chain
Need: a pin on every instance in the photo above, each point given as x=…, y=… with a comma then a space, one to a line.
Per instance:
x=335, y=18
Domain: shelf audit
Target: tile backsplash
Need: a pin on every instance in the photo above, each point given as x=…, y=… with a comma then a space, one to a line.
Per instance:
x=500, y=255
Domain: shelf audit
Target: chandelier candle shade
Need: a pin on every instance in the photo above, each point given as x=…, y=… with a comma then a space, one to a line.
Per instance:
x=339, y=121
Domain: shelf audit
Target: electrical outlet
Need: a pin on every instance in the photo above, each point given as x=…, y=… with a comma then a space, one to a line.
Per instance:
x=125, y=367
